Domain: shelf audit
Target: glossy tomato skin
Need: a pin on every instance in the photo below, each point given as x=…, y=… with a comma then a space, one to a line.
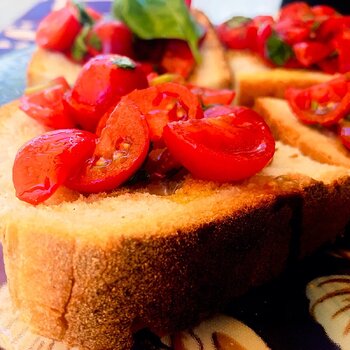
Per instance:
x=115, y=37
x=226, y=148
x=58, y=30
x=120, y=151
x=45, y=162
x=46, y=106
x=100, y=85
x=209, y=96
x=309, y=52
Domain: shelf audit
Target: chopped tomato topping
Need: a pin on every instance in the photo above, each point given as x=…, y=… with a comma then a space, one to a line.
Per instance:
x=46, y=105
x=226, y=148
x=210, y=96
x=120, y=151
x=323, y=104
x=47, y=161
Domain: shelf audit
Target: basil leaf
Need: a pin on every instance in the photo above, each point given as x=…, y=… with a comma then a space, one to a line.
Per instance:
x=95, y=42
x=159, y=19
x=238, y=21
x=124, y=62
x=79, y=48
x=277, y=50
x=84, y=17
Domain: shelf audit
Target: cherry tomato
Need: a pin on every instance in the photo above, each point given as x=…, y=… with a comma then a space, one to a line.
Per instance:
x=329, y=65
x=219, y=110
x=293, y=31
x=323, y=104
x=333, y=26
x=46, y=105
x=119, y=153
x=45, y=163
x=341, y=44
x=100, y=85
x=237, y=34
x=112, y=37
x=297, y=10
x=164, y=103
x=226, y=148
x=311, y=52
x=324, y=11
x=58, y=30
x=178, y=58
x=210, y=96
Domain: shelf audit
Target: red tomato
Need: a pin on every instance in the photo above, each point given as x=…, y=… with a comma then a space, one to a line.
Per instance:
x=342, y=46
x=188, y=3
x=219, y=110
x=57, y=31
x=311, y=52
x=96, y=16
x=323, y=104
x=100, y=85
x=45, y=163
x=333, y=26
x=113, y=36
x=324, y=11
x=119, y=153
x=226, y=148
x=297, y=10
x=177, y=58
x=262, y=36
x=210, y=96
x=293, y=31
x=237, y=34
x=46, y=105
x=164, y=103
x=329, y=65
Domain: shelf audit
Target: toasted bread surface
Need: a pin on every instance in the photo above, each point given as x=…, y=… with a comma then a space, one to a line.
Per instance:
x=213, y=70
x=316, y=142
x=88, y=270
x=254, y=78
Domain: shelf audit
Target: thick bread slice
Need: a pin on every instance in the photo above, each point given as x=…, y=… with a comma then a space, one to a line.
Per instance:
x=318, y=143
x=213, y=70
x=253, y=78
x=89, y=270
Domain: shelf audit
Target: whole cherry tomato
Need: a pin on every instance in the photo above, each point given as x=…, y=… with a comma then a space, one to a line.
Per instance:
x=58, y=30
x=311, y=52
x=119, y=153
x=323, y=104
x=111, y=36
x=225, y=148
x=177, y=58
x=100, y=85
x=46, y=105
x=47, y=161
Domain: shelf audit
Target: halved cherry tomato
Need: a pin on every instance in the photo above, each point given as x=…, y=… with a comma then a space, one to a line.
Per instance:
x=341, y=45
x=311, y=52
x=293, y=31
x=219, y=111
x=46, y=105
x=45, y=162
x=178, y=58
x=297, y=10
x=58, y=29
x=210, y=96
x=226, y=148
x=111, y=36
x=164, y=103
x=333, y=26
x=323, y=104
x=329, y=65
x=237, y=34
x=119, y=153
x=100, y=85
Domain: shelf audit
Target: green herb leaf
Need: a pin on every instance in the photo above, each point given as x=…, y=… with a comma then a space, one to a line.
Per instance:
x=124, y=62
x=238, y=21
x=314, y=105
x=159, y=19
x=278, y=51
x=79, y=48
x=84, y=17
x=95, y=42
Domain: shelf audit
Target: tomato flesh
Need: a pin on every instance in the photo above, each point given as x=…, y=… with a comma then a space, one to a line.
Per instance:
x=100, y=85
x=46, y=106
x=323, y=104
x=119, y=153
x=309, y=53
x=58, y=30
x=225, y=148
x=47, y=161
x=210, y=96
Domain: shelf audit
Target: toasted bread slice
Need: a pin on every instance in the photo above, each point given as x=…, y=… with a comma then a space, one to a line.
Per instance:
x=213, y=70
x=89, y=270
x=318, y=143
x=254, y=78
